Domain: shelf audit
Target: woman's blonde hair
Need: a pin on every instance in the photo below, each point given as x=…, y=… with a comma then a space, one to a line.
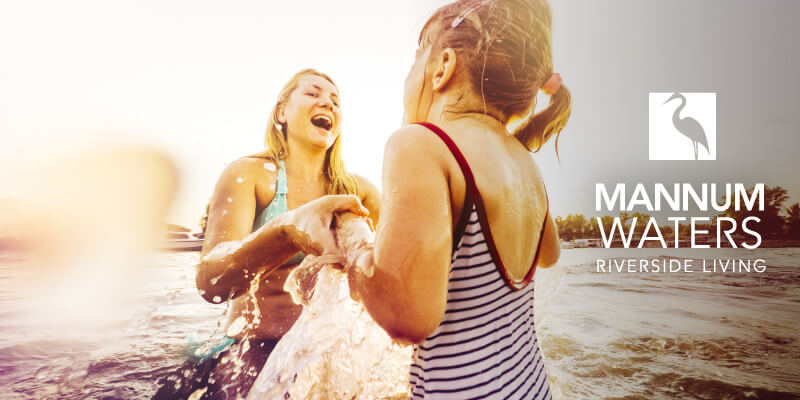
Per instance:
x=339, y=181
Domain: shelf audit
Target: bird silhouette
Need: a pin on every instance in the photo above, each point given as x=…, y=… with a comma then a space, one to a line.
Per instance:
x=688, y=126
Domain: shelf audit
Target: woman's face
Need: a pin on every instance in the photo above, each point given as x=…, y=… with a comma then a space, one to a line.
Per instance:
x=416, y=101
x=312, y=114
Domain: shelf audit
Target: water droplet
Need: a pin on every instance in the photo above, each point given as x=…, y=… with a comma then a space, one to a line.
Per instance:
x=216, y=299
x=236, y=327
x=269, y=166
x=273, y=187
x=213, y=281
x=230, y=200
x=224, y=212
x=239, y=180
x=201, y=292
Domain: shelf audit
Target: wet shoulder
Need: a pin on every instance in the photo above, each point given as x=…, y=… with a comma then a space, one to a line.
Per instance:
x=512, y=193
x=413, y=143
x=260, y=173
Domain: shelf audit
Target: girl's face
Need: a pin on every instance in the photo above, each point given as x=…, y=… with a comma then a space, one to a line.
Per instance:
x=311, y=114
x=417, y=95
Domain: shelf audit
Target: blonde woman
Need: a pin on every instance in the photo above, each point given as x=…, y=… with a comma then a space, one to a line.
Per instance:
x=250, y=244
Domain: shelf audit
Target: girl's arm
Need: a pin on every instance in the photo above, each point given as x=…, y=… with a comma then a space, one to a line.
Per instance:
x=551, y=245
x=370, y=197
x=407, y=290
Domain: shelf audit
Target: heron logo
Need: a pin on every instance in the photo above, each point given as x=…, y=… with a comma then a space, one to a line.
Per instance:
x=683, y=126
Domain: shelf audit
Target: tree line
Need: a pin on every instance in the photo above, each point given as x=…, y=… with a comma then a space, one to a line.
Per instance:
x=777, y=220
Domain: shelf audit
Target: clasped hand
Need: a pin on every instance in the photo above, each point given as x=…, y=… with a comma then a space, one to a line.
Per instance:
x=309, y=227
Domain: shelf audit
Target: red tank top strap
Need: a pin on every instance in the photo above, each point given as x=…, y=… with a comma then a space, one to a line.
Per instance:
x=473, y=196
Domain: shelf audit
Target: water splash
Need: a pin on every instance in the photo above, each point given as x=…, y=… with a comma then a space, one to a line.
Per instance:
x=335, y=350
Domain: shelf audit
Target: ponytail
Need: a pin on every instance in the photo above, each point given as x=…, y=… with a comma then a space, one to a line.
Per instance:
x=548, y=122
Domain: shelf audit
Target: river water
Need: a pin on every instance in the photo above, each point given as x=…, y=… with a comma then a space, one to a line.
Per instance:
x=605, y=335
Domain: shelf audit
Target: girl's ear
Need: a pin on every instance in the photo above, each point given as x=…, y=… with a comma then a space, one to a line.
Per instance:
x=444, y=66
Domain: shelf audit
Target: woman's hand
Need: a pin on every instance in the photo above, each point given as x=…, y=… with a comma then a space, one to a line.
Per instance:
x=309, y=226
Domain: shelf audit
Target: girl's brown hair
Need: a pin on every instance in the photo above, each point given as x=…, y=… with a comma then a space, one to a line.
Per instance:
x=505, y=47
x=339, y=180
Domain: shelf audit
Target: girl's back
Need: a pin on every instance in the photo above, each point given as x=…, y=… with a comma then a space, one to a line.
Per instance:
x=486, y=343
x=510, y=186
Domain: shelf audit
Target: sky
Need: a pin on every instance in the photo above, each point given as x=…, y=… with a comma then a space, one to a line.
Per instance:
x=198, y=79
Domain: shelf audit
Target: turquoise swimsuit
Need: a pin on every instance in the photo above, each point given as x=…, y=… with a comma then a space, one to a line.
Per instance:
x=275, y=207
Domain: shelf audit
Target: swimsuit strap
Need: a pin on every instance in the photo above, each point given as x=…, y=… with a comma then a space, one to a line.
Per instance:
x=282, y=187
x=278, y=205
x=473, y=196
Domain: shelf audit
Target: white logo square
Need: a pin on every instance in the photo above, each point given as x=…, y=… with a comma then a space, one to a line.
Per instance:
x=683, y=126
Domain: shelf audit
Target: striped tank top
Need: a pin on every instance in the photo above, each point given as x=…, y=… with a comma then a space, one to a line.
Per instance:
x=486, y=345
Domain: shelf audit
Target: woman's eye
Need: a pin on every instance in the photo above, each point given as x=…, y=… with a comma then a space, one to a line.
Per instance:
x=312, y=94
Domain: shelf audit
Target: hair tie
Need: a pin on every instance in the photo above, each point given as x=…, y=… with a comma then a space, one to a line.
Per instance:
x=552, y=84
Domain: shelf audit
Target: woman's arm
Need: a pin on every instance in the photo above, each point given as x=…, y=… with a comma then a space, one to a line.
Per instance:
x=232, y=255
x=407, y=290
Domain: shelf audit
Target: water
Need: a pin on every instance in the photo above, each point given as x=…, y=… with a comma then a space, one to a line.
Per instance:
x=604, y=335
x=335, y=350
x=119, y=358
x=665, y=336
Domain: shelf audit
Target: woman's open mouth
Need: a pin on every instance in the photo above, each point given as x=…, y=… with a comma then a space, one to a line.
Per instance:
x=322, y=121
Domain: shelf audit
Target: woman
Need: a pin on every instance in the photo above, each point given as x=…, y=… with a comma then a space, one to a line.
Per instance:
x=464, y=214
x=248, y=249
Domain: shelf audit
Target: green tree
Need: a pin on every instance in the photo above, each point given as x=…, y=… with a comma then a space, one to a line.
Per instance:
x=607, y=221
x=641, y=222
x=574, y=226
x=771, y=223
x=793, y=221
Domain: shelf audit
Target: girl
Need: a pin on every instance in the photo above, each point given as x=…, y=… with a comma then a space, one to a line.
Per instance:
x=465, y=218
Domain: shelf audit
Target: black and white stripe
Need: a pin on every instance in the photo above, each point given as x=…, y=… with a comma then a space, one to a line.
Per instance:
x=486, y=346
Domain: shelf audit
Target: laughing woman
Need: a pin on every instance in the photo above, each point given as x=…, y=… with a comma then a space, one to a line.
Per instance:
x=249, y=251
